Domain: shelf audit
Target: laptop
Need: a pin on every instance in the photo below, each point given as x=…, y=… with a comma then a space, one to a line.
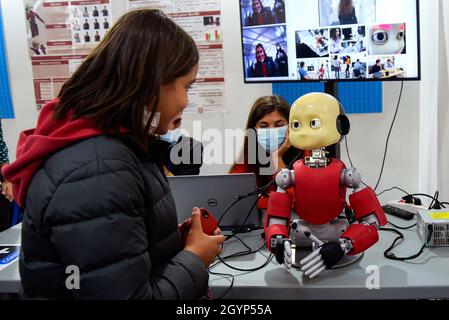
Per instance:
x=216, y=193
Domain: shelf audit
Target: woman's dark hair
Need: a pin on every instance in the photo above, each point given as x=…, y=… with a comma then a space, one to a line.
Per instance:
x=333, y=33
x=266, y=105
x=345, y=7
x=263, y=106
x=123, y=75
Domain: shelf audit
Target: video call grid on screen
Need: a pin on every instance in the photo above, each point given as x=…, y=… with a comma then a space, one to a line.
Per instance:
x=308, y=40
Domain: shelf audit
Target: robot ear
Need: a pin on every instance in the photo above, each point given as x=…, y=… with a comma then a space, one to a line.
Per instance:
x=343, y=124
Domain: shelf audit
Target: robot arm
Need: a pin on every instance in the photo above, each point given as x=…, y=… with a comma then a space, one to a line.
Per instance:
x=368, y=213
x=278, y=218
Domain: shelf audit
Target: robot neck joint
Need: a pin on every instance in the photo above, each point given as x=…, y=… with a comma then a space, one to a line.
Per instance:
x=318, y=159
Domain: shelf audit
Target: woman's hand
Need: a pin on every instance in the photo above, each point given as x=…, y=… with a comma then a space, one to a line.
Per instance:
x=279, y=153
x=285, y=146
x=7, y=190
x=204, y=246
x=184, y=229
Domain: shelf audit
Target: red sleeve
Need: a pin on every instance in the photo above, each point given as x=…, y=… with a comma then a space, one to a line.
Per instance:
x=239, y=168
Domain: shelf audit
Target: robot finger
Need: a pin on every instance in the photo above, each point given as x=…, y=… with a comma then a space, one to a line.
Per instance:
x=311, y=263
x=310, y=257
x=314, y=268
x=287, y=263
x=313, y=275
x=287, y=249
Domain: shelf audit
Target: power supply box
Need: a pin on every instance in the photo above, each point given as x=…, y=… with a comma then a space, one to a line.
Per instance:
x=434, y=224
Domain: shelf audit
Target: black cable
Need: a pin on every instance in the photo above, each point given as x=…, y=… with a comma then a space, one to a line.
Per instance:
x=270, y=257
x=401, y=228
x=238, y=254
x=259, y=191
x=391, y=256
x=349, y=157
x=347, y=152
x=230, y=287
x=388, y=137
x=393, y=188
x=434, y=200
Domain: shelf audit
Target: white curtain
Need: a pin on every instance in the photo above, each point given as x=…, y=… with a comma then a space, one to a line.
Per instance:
x=443, y=101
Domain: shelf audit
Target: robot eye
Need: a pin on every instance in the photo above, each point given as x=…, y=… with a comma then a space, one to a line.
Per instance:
x=400, y=35
x=315, y=124
x=380, y=37
x=296, y=125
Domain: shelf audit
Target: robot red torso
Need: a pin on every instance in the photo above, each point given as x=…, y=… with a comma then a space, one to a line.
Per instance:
x=319, y=194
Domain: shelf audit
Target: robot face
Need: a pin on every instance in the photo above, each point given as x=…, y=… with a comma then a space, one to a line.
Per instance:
x=387, y=39
x=313, y=121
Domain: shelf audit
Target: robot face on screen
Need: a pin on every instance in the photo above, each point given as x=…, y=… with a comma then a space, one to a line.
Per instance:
x=387, y=39
x=314, y=121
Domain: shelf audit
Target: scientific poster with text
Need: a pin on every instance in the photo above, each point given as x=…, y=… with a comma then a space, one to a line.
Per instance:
x=60, y=36
x=202, y=20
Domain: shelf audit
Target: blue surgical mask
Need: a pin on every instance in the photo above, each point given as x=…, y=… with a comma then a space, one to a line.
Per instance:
x=271, y=138
x=172, y=136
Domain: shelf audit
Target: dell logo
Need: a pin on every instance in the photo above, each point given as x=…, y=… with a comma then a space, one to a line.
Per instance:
x=212, y=202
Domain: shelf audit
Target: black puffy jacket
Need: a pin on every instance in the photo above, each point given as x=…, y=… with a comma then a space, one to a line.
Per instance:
x=103, y=207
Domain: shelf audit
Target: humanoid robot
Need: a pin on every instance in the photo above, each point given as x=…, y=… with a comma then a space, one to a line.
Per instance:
x=317, y=121
x=387, y=39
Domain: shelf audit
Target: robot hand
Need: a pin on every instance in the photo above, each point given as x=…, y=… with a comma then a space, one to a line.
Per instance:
x=326, y=256
x=283, y=253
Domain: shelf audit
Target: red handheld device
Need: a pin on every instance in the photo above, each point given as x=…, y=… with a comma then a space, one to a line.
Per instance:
x=208, y=222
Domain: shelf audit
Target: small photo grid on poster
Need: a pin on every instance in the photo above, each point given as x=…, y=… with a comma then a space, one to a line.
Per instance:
x=313, y=69
x=89, y=23
x=212, y=29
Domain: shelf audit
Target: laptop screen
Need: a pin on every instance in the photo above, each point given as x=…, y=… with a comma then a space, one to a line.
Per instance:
x=216, y=193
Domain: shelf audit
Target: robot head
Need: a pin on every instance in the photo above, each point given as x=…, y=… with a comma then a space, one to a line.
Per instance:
x=317, y=120
x=387, y=39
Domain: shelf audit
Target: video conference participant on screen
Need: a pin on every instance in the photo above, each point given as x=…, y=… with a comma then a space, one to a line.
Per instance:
x=282, y=61
x=261, y=15
x=279, y=11
x=265, y=66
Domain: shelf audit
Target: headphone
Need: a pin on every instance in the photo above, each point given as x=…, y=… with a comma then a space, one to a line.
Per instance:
x=343, y=124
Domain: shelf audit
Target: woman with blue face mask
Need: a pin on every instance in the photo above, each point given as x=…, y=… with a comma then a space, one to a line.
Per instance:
x=173, y=144
x=268, y=123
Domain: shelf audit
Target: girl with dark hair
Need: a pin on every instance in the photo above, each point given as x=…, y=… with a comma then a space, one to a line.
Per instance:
x=92, y=182
x=346, y=12
x=267, y=149
x=335, y=42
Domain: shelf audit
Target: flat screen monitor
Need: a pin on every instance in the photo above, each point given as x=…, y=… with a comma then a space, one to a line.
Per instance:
x=330, y=40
